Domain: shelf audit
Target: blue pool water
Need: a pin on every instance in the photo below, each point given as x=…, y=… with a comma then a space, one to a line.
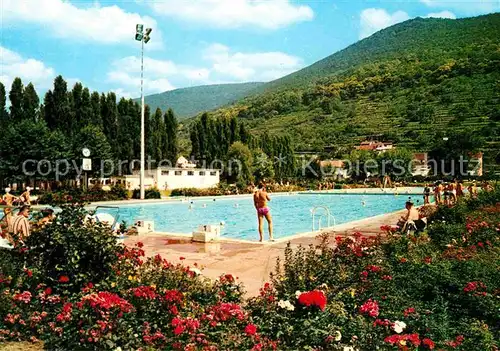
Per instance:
x=291, y=213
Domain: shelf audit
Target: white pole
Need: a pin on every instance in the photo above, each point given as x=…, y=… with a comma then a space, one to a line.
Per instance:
x=142, y=191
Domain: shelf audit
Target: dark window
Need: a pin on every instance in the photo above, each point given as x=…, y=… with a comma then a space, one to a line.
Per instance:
x=190, y=173
x=165, y=172
x=178, y=173
x=202, y=173
x=213, y=173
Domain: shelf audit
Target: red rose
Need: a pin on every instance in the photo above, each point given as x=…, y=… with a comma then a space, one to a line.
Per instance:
x=370, y=308
x=313, y=298
x=63, y=279
x=428, y=343
x=250, y=329
x=140, y=244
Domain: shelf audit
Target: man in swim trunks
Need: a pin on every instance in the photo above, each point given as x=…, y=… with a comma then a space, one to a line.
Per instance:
x=260, y=198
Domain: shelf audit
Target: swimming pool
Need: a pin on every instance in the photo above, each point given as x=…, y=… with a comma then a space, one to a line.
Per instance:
x=292, y=213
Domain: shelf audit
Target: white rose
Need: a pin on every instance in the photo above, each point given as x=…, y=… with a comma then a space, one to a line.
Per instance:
x=338, y=336
x=297, y=294
x=195, y=270
x=286, y=305
x=348, y=348
x=398, y=327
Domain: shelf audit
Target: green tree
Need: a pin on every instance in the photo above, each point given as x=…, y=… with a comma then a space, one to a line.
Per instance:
x=95, y=102
x=49, y=112
x=240, y=161
x=126, y=130
x=244, y=135
x=263, y=169
x=62, y=114
x=157, y=135
x=171, y=127
x=448, y=152
x=109, y=114
x=395, y=163
x=31, y=102
x=16, y=100
x=84, y=113
x=4, y=116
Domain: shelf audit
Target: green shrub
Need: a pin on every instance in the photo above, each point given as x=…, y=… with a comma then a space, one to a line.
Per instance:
x=73, y=249
x=152, y=193
x=119, y=191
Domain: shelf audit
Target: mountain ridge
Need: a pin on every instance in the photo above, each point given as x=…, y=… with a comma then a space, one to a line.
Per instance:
x=187, y=102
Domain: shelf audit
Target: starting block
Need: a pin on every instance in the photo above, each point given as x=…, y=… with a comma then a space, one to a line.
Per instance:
x=207, y=233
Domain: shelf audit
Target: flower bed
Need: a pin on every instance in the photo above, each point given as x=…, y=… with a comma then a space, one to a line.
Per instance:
x=74, y=287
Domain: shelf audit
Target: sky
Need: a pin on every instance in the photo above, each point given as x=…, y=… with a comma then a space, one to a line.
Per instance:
x=193, y=42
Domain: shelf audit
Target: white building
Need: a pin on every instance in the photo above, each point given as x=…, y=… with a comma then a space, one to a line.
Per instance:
x=184, y=175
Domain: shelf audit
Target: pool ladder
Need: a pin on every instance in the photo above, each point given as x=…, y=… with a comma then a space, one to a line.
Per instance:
x=326, y=214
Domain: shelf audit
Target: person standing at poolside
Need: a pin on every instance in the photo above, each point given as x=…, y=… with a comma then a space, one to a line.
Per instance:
x=8, y=198
x=437, y=193
x=427, y=194
x=260, y=199
x=26, y=196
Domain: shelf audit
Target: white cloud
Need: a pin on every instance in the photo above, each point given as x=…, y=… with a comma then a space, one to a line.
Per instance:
x=222, y=66
x=108, y=24
x=442, y=14
x=243, y=67
x=269, y=14
x=467, y=7
x=157, y=74
x=13, y=65
x=373, y=20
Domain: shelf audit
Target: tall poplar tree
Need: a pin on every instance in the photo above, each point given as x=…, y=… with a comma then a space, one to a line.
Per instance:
x=62, y=112
x=85, y=113
x=4, y=116
x=76, y=98
x=49, y=111
x=16, y=100
x=31, y=103
x=157, y=131
x=171, y=127
x=95, y=102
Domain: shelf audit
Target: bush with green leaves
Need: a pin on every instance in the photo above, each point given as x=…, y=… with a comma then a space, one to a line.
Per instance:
x=73, y=249
x=151, y=193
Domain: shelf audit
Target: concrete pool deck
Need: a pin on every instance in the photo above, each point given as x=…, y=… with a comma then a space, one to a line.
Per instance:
x=251, y=262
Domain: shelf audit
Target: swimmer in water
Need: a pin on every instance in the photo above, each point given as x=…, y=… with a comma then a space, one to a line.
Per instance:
x=363, y=203
x=204, y=206
x=236, y=205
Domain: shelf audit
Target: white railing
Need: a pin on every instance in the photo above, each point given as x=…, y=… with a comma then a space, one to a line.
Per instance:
x=326, y=214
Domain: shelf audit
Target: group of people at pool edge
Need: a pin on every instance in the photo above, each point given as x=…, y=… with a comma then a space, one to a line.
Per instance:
x=450, y=193
x=19, y=225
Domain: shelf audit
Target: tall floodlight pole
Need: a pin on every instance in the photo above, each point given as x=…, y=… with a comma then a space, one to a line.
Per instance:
x=144, y=39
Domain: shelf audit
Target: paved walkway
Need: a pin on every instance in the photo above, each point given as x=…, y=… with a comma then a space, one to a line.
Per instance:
x=250, y=262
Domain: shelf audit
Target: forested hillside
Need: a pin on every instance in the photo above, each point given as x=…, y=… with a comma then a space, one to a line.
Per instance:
x=188, y=102
x=413, y=83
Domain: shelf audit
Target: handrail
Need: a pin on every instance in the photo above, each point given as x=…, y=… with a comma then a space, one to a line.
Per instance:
x=328, y=216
